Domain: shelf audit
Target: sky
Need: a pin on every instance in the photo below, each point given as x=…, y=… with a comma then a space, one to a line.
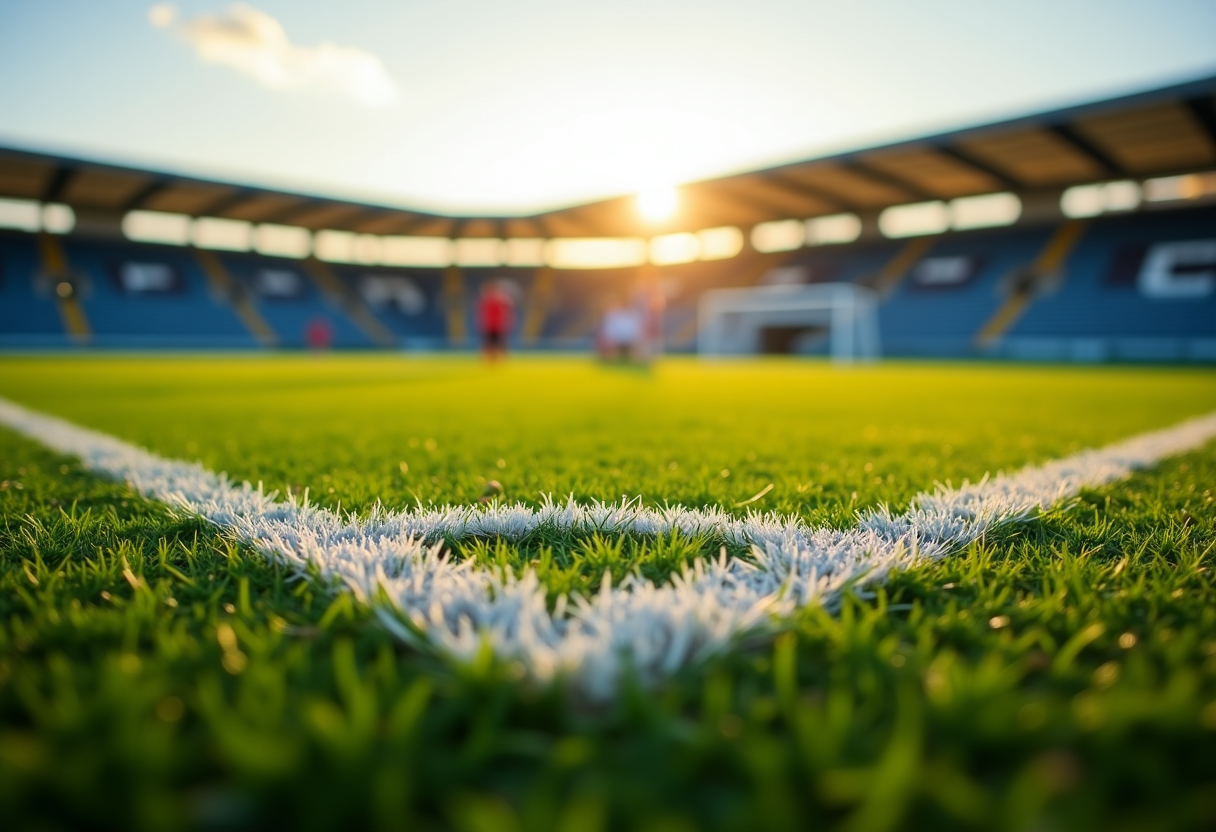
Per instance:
x=515, y=106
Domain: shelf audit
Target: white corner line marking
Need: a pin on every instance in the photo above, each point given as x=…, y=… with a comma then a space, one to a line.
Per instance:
x=636, y=627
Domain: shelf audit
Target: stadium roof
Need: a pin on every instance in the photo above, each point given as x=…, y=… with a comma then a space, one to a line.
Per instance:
x=1161, y=132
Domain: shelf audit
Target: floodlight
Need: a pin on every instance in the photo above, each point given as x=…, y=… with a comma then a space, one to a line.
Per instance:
x=670, y=249
x=780, y=235
x=58, y=218
x=19, y=213
x=914, y=220
x=157, y=227
x=215, y=232
x=596, y=252
x=433, y=252
x=282, y=240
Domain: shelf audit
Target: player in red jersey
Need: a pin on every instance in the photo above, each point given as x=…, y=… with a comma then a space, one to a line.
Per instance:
x=495, y=317
x=318, y=334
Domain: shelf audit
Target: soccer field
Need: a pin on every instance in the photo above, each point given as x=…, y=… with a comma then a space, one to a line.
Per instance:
x=158, y=671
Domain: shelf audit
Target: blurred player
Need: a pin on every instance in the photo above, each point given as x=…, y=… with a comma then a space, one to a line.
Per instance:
x=650, y=304
x=318, y=334
x=620, y=332
x=495, y=318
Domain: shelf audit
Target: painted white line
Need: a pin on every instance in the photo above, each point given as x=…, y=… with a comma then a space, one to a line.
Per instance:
x=637, y=627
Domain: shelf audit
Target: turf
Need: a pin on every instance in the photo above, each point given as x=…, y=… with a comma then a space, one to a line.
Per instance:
x=1056, y=675
x=808, y=439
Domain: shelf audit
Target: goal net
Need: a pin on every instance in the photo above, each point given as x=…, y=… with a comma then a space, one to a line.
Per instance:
x=790, y=319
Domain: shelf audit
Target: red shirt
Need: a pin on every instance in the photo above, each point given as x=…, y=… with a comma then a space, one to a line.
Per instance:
x=495, y=311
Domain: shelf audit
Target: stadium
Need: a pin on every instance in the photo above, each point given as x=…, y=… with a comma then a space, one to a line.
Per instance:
x=893, y=510
x=1074, y=235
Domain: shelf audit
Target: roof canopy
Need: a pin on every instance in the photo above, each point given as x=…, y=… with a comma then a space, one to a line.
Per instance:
x=1165, y=131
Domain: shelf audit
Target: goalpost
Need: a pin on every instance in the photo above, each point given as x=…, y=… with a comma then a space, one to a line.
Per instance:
x=734, y=321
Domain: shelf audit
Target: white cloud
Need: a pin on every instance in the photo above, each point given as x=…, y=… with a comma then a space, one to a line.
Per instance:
x=254, y=43
x=162, y=15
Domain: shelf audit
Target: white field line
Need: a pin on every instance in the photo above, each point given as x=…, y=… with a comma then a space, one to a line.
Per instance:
x=640, y=628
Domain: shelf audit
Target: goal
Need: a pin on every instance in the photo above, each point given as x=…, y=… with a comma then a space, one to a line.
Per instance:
x=790, y=319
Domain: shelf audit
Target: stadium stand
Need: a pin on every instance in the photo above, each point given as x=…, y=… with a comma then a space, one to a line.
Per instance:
x=1097, y=303
x=405, y=305
x=289, y=301
x=344, y=297
x=1139, y=287
x=27, y=309
x=946, y=295
x=150, y=296
x=1081, y=234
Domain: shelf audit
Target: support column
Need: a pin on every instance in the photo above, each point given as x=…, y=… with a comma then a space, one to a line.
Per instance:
x=454, y=306
x=543, y=284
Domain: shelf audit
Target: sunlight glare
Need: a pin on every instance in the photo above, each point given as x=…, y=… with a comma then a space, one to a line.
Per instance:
x=658, y=203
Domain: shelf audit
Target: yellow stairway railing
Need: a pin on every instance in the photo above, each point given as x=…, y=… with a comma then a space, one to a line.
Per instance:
x=228, y=291
x=55, y=269
x=1049, y=263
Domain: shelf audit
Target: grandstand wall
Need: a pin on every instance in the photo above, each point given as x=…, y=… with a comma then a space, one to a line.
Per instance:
x=1110, y=298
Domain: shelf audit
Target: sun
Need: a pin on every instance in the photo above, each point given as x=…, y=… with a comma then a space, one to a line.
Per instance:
x=658, y=203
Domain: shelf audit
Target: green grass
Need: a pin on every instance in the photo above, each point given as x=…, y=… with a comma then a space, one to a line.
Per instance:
x=1057, y=675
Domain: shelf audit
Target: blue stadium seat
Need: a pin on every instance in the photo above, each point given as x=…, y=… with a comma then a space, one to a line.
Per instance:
x=289, y=315
x=423, y=328
x=846, y=264
x=27, y=317
x=922, y=318
x=1100, y=298
x=185, y=317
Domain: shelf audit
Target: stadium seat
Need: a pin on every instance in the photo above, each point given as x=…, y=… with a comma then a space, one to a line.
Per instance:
x=1103, y=309
x=27, y=311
